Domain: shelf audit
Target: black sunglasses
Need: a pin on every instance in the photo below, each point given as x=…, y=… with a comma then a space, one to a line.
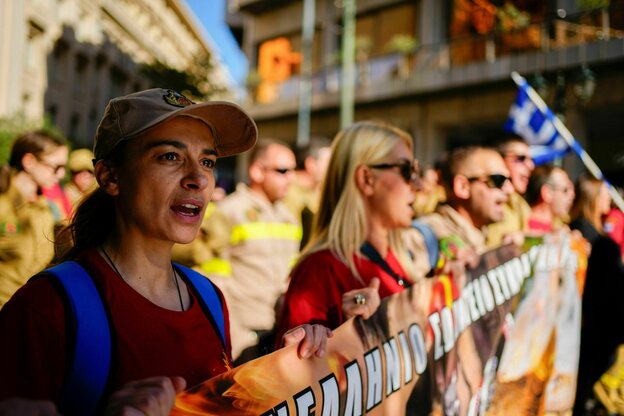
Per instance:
x=409, y=170
x=55, y=168
x=492, y=181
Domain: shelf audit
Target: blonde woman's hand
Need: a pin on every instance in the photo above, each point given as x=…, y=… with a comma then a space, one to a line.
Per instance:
x=153, y=396
x=362, y=302
x=312, y=339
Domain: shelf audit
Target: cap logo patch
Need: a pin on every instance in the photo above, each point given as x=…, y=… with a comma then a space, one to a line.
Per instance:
x=176, y=99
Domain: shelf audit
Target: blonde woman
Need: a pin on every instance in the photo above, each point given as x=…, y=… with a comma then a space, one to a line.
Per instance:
x=602, y=292
x=591, y=202
x=355, y=254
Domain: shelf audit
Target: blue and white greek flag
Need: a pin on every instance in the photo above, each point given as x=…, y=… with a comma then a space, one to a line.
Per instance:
x=536, y=127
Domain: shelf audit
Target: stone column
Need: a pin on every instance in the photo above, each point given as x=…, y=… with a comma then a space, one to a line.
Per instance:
x=13, y=38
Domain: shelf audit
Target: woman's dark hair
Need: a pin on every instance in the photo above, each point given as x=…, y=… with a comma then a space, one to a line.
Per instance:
x=452, y=163
x=37, y=142
x=93, y=220
x=539, y=177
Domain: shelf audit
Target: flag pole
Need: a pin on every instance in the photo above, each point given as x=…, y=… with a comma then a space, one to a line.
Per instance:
x=567, y=136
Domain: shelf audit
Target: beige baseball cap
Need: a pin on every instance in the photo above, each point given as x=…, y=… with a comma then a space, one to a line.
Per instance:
x=79, y=160
x=130, y=115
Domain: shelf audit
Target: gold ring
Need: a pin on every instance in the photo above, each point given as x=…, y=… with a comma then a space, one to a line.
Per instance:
x=359, y=299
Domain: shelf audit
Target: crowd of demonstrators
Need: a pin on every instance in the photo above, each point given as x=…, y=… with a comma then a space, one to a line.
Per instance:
x=303, y=195
x=156, y=153
x=255, y=240
x=355, y=253
x=517, y=158
x=146, y=196
x=26, y=221
x=550, y=194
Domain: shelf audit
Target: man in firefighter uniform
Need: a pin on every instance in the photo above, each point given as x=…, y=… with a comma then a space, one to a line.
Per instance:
x=255, y=240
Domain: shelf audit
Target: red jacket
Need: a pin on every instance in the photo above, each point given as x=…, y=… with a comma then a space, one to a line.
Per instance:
x=317, y=283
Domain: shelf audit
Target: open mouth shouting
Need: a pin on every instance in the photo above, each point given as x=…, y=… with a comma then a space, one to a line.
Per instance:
x=188, y=210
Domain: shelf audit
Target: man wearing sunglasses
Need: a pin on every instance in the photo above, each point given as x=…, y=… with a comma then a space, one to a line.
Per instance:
x=477, y=186
x=515, y=153
x=254, y=239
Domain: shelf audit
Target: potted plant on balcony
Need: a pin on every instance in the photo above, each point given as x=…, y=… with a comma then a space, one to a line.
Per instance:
x=594, y=20
x=585, y=5
x=363, y=46
x=405, y=45
x=515, y=27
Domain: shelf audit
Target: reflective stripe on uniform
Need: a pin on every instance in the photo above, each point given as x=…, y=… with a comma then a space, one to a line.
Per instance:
x=265, y=230
x=210, y=209
x=217, y=266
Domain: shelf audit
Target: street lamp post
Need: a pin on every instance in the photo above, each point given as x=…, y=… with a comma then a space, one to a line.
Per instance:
x=347, y=90
x=305, y=82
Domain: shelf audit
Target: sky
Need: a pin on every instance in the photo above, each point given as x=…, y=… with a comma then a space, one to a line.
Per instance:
x=211, y=14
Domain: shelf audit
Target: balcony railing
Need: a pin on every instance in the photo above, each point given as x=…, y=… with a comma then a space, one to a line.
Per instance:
x=538, y=38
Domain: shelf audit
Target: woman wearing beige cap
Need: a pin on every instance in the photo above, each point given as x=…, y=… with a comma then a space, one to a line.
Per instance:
x=155, y=154
x=82, y=180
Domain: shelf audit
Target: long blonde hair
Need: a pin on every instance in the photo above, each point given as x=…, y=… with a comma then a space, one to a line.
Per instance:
x=586, y=200
x=340, y=224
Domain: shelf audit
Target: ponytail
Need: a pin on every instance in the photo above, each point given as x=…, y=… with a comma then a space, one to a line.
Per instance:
x=90, y=226
x=94, y=218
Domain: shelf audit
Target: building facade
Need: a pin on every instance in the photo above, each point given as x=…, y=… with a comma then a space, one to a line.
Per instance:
x=441, y=69
x=66, y=58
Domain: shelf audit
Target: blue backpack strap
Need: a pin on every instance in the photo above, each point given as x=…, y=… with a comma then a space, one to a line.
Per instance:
x=90, y=366
x=208, y=296
x=431, y=242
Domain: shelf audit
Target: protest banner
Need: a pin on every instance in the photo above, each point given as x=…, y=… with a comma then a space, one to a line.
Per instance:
x=433, y=348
